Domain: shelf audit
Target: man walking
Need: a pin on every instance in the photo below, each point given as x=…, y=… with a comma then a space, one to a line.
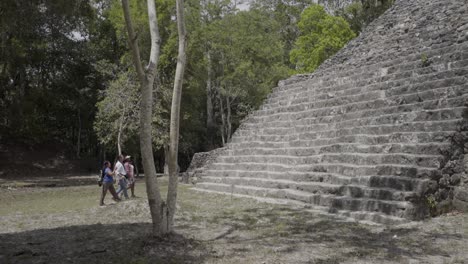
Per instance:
x=121, y=176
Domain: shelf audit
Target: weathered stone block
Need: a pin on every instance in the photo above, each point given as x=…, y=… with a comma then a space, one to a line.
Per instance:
x=461, y=194
x=460, y=199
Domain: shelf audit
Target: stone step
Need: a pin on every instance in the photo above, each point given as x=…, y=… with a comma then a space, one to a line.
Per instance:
x=384, y=69
x=351, y=127
x=414, y=48
x=389, y=104
x=347, y=136
x=365, y=139
x=429, y=161
x=433, y=110
x=402, y=45
x=413, y=53
x=308, y=149
x=378, y=181
x=405, y=122
x=406, y=90
x=361, y=216
x=333, y=131
x=383, y=108
x=345, y=148
x=403, y=79
x=394, y=208
x=361, y=136
x=415, y=102
x=374, y=77
x=346, y=169
x=356, y=191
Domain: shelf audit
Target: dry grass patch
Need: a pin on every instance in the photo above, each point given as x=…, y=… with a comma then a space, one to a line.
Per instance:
x=50, y=225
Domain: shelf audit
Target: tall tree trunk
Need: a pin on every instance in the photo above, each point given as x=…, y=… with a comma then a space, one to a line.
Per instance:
x=175, y=113
x=119, y=136
x=209, y=102
x=223, y=119
x=157, y=206
x=228, y=119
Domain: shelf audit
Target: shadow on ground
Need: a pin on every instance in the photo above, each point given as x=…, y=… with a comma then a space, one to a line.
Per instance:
x=119, y=243
x=293, y=232
x=215, y=229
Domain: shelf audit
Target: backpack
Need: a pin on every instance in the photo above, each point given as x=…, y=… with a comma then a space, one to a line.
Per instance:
x=101, y=178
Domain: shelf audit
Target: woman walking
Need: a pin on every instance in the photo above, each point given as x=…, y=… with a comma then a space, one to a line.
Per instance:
x=108, y=183
x=128, y=164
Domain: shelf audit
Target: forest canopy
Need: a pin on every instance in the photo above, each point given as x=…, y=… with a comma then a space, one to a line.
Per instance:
x=66, y=73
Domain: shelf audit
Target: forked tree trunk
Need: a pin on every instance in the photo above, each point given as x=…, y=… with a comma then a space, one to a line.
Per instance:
x=175, y=113
x=157, y=206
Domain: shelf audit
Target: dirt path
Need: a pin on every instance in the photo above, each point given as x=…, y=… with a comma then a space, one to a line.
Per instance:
x=65, y=225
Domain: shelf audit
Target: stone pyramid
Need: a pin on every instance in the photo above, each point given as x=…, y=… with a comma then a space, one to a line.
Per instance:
x=368, y=134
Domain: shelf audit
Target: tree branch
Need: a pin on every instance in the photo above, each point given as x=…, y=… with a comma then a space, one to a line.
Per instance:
x=155, y=39
x=175, y=114
x=133, y=41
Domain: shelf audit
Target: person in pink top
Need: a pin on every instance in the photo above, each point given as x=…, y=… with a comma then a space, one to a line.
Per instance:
x=129, y=168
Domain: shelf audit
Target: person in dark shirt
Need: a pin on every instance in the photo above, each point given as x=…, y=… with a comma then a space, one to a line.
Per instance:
x=108, y=183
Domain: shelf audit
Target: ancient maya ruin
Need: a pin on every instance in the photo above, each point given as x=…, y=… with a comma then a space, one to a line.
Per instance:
x=376, y=133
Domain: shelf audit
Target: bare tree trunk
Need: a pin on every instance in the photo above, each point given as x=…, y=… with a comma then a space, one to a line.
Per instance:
x=209, y=102
x=223, y=119
x=175, y=113
x=119, y=136
x=157, y=206
x=228, y=119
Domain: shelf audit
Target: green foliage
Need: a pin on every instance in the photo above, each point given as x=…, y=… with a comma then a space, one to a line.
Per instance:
x=322, y=35
x=244, y=53
x=119, y=107
x=431, y=203
x=374, y=8
x=48, y=84
x=425, y=62
x=286, y=13
x=250, y=55
x=139, y=15
x=120, y=102
x=64, y=66
x=360, y=13
x=354, y=15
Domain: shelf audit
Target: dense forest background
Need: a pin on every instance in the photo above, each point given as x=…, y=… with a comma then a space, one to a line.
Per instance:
x=68, y=88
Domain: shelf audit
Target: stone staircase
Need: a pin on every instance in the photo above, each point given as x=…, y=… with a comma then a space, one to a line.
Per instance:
x=364, y=135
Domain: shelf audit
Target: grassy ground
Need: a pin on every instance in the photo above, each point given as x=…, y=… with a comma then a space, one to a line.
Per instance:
x=66, y=225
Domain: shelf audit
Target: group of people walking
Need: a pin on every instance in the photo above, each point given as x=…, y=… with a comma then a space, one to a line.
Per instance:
x=123, y=174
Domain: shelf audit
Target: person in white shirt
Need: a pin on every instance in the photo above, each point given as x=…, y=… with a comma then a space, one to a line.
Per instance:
x=119, y=170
